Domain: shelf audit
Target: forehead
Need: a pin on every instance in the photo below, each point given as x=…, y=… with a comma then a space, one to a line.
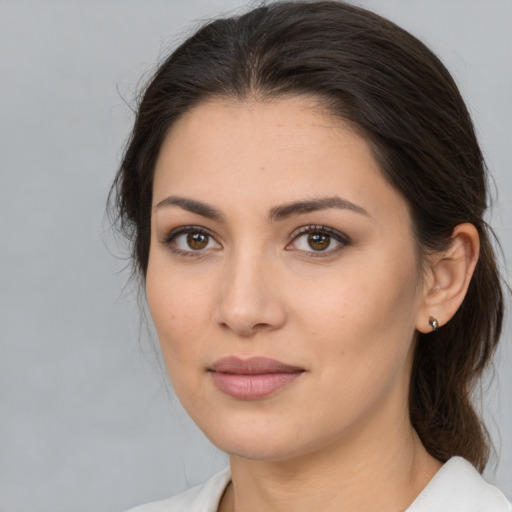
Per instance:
x=276, y=151
x=282, y=127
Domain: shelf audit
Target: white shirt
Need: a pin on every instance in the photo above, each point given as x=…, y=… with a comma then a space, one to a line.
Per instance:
x=456, y=487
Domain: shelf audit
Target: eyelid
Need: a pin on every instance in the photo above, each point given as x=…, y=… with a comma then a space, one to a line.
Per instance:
x=168, y=238
x=318, y=228
x=340, y=237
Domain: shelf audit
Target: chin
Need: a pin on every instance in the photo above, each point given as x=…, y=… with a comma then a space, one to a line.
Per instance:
x=259, y=450
x=252, y=438
x=260, y=439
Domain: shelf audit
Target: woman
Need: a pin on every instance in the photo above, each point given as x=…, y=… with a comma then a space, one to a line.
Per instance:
x=304, y=192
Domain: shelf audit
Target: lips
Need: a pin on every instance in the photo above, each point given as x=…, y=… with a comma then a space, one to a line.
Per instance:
x=253, y=378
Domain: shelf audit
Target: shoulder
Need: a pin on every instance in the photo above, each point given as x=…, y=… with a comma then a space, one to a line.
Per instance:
x=202, y=498
x=458, y=487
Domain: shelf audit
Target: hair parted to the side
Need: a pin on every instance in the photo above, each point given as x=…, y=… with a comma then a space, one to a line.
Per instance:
x=388, y=85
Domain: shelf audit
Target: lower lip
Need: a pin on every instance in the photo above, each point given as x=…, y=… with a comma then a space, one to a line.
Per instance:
x=252, y=387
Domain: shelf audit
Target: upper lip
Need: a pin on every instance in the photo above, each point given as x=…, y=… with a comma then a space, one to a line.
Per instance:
x=252, y=366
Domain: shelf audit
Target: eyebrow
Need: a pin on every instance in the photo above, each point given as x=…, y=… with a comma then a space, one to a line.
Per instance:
x=192, y=206
x=278, y=213
x=312, y=205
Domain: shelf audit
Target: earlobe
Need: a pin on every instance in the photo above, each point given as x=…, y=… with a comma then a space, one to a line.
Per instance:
x=450, y=273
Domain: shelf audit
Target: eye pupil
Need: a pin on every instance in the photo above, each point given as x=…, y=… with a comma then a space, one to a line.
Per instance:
x=319, y=241
x=197, y=241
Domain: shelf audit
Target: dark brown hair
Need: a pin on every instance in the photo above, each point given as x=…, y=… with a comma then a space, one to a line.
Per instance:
x=399, y=96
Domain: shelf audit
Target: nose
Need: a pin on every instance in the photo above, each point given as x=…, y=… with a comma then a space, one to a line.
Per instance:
x=250, y=296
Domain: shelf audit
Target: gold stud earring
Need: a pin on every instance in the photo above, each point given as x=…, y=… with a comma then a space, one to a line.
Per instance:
x=434, y=324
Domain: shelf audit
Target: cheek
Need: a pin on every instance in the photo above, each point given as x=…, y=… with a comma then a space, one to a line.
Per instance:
x=360, y=333
x=362, y=298
x=178, y=315
x=178, y=311
x=360, y=314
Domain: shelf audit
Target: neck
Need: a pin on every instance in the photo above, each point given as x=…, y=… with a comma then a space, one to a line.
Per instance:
x=385, y=474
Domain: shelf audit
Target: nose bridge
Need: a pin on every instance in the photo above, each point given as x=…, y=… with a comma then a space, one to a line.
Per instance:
x=249, y=300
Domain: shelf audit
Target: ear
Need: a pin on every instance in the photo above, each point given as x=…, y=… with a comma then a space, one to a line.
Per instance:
x=448, y=276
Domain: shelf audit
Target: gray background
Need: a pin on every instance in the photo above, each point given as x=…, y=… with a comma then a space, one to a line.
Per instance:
x=87, y=421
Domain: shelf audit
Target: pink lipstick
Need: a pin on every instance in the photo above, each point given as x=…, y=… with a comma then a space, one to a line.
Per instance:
x=252, y=379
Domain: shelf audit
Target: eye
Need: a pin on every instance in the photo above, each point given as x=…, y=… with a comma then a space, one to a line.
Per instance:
x=318, y=239
x=315, y=242
x=190, y=239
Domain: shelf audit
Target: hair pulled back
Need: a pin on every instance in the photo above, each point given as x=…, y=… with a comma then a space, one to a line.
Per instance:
x=399, y=96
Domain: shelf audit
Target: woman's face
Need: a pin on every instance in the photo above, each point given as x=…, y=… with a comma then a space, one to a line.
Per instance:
x=275, y=236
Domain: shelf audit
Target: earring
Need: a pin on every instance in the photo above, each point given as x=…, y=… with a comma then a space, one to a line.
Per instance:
x=434, y=324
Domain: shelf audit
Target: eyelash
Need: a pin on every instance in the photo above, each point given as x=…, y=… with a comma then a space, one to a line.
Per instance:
x=341, y=238
x=183, y=230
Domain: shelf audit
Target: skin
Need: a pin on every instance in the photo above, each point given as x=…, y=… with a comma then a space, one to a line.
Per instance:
x=338, y=437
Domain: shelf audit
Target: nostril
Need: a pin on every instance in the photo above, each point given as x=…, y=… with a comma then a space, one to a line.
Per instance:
x=249, y=309
x=261, y=326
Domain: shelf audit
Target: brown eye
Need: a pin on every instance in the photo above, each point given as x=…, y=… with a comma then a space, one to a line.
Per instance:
x=191, y=239
x=197, y=241
x=319, y=241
